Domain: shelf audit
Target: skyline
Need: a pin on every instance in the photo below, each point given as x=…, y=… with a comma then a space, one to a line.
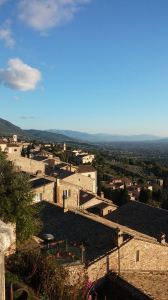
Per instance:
x=85, y=65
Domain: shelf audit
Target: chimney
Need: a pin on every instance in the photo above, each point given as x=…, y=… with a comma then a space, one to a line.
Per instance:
x=118, y=238
x=162, y=238
x=102, y=194
x=64, y=147
x=65, y=203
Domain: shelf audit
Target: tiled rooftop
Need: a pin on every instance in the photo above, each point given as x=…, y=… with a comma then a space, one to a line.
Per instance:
x=86, y=169
x=153, y=284
x=97, y=238
x=147, y=220
x=36, y=183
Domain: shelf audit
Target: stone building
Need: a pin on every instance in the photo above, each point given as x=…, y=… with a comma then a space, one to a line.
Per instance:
x=2, y=145
x=86, y=181
x=14, y=149
x=91, y=172
x=43, y=189
x=70, y=195
x=110, y=245
x=84, y=158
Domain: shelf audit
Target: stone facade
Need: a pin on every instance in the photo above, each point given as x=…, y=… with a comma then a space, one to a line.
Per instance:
x=2, y=146
x=84, y=182
x=44, y=191
x=75, y=197
x=14, y=150
x=134, y=255
x=27, y=165
x=71, y=192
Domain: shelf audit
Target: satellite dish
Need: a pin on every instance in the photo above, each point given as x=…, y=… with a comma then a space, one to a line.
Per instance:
x=47, y=237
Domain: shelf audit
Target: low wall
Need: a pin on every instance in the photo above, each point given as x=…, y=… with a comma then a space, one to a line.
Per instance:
x=27, y=164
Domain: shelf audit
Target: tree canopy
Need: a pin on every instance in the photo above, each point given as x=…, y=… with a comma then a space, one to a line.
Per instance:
x=145, y=196
x=16, y=200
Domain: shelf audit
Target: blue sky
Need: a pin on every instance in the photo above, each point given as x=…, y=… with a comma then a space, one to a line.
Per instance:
x=89, y=65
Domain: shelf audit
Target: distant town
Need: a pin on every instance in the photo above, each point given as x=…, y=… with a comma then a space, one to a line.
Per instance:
x=111, y=228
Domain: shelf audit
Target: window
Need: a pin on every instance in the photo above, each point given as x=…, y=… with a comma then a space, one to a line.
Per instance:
x=66, y=194
x=137, y=256
x=38, y=197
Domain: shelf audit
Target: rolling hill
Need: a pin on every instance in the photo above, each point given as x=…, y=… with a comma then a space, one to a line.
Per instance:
x=103, y=137
x=8, y=129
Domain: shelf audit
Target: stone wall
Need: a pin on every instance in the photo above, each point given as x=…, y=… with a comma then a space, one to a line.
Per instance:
x=134, y=255
x=92, y=175
x=77, y=274
x=73, y=199
x=26, y=164
x=47, y=192
x=82, y=181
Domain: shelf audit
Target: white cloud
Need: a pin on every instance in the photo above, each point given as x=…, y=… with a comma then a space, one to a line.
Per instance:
x=6, y=35
x=42, y=15
x=19, y=76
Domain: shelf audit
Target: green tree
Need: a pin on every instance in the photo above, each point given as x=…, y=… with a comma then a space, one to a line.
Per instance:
x=16, y=200
x=118, y=196
x=164, y=201
x=45, y=276
x=145, y=196
x=123, y=196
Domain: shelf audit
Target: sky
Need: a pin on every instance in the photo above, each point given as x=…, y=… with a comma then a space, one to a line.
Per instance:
x=86, y=65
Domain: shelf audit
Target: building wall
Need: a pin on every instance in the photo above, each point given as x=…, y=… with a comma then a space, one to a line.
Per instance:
x=46, y=192
x=105, y=211
x=15, y=150
x=152, y=257
x=84, y=159
x=92, y=175
x=88, y=159
x=26, y=164
x=73, y=194
x=2, y=147
x=84, y=182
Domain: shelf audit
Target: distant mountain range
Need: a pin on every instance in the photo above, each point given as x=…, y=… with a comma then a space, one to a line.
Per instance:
x=58, y=135
x=103, y=137
x=7, y=129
